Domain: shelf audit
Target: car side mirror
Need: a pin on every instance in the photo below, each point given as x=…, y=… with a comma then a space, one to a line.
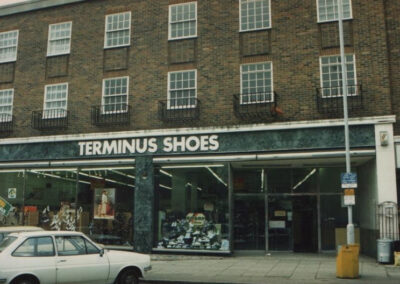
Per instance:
x=101, y=252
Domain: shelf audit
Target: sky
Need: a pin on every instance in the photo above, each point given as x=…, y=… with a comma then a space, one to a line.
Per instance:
x=6, y=2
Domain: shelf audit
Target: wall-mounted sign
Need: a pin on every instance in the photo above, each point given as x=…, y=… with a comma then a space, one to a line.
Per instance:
x=349, y=197
x=12, y=193
x=149, y=145
x=226, y=141
x=349, y=180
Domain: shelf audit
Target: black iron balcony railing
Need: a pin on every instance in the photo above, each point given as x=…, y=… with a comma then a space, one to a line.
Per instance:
x=255, y=106
x=330, y=100
x=179, y=110
x=111, y=115
x=6, y=123
x=50, y=119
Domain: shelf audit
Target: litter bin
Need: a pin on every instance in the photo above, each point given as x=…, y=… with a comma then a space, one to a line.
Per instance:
x=347, y=261
x=385, y=250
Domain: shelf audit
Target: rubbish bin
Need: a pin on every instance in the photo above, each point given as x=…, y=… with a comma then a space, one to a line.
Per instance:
x=347, y=261
x=385, y=250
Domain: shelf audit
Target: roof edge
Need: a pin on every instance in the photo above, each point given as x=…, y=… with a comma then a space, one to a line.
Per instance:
x=32, y=5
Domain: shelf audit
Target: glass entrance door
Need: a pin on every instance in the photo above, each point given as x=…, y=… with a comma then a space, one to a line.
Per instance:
x=249, y=222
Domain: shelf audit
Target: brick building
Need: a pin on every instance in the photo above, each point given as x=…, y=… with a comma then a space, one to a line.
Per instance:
x=208, y=125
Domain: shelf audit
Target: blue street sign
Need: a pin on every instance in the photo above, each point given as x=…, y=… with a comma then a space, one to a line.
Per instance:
x=349, y=180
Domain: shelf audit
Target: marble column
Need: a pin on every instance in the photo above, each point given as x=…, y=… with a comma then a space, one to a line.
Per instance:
x=144, y=205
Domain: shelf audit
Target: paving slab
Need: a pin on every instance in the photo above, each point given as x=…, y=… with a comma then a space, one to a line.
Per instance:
x=277, y=268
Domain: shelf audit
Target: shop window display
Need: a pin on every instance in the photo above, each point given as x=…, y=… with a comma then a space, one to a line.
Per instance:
x=107, y=202
x=192, y=206
x=96, y=201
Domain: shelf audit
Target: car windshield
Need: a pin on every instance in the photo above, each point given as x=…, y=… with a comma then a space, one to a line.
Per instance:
x=6, y=242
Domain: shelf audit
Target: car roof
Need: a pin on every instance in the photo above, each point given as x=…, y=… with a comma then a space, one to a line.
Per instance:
x=49, y=233
x=19, y=229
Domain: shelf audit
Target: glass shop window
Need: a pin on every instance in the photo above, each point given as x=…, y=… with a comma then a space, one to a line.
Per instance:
x=11, y=197
x=192, y=208
x=50, y=195
x=95, y=201
x=106, y=198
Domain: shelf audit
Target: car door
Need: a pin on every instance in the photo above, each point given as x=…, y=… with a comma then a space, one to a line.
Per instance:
x=36, y=255
x=79, y=261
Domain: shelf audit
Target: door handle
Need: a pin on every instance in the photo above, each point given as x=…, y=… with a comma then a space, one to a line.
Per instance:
x=62, y=260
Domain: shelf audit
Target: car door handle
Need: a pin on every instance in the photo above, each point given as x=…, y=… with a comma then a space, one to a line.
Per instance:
x=62, y=260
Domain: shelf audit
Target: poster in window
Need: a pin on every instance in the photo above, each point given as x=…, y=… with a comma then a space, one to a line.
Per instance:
x=104, y=203
x=12, y=193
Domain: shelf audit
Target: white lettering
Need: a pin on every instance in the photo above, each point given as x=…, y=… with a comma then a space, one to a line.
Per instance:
x=81, y=148
x=128, y=146
x=141, y=148
x=167, y=144
x=214, y=144
x=152, y=145
x=110, y=147
x=96, y=148
x=89, y=148
x=204, y=143
x=193, y=146
x=119, y=146
x=179, y=143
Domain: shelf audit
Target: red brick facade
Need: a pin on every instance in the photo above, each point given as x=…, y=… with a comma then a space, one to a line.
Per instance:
x=293, y=44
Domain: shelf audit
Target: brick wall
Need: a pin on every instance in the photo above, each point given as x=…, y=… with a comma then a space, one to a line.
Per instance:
x=393, y=39
x=293, y=44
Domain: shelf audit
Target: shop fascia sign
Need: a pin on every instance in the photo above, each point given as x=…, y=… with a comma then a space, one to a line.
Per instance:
x=149, y=145
x=5, y=207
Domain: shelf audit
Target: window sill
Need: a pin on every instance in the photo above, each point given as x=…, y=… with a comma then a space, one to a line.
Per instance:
x=57, y=54
x=332, y=21
x=255, y=30
x=8, y=61
x=182, y=38
x=116, y=47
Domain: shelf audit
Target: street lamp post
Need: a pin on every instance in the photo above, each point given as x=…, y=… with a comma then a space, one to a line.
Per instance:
x=350, y=225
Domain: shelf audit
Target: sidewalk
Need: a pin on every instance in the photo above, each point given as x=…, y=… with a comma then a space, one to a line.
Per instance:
x=277, y=267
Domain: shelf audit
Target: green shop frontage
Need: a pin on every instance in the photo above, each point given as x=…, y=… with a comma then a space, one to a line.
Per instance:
x=208, y=190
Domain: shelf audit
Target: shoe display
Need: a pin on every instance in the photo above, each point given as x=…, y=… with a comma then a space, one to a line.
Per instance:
x=185, y=234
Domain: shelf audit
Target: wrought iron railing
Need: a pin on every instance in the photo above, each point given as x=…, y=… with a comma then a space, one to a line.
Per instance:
x=111, y=115
x=256, y=105
x=330, y=100
x=179, y=110
x=6, y=123
x=50, y=119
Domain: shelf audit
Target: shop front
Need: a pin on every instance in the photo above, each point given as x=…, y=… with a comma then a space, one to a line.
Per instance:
x=214, y=190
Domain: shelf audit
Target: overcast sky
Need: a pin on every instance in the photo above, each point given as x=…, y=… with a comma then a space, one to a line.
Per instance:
x=6, y=2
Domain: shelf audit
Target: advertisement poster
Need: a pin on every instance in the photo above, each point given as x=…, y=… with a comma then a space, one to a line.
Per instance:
x=12, y=193
x=104, y=202
x=5, y=207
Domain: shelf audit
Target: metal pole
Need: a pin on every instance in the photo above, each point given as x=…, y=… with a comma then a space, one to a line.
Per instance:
x=350, y=225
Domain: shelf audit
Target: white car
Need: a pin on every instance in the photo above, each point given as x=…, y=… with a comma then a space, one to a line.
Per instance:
x=4, y=231
x=50, y=257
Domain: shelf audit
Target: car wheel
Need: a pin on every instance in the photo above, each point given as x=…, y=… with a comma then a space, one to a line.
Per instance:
x=128, y=277
x=25, y=281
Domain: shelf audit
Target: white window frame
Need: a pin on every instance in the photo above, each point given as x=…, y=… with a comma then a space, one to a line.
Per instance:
x=336, y=19
x=341, y=88
x=46, y=115
x=169, y=106
x=103, y=97
x=50, y=40
x=272, y=84
x=9, y=118
x=14, y=56
x=170, y=21
x=255, y=29
x=117, y=30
